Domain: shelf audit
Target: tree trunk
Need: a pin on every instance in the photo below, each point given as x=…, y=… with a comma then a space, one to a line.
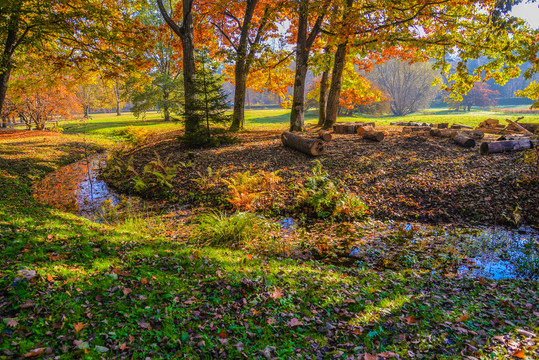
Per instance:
x=309, y=146
x=9, y=48
x=185, y=32
x=504, y=146
x=116, y=89
x=4, y=121
x=243, y=64
x=238, y=115
x=336, y=85
x=166, y=113
x=322, y=100
x=297, y=116
x=336, y=76
x=303, y=47
x=86, y=110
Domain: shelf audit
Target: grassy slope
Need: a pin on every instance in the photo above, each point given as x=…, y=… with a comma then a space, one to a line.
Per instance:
x=102, y=289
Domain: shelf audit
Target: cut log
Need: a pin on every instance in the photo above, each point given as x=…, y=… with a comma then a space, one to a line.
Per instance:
x=474, y=134
x=324, y=135
x=459, y=126
x=442, y=125
x=411, y=129
x=374, y=135
x=350, y=128
x=533, y=127
x=464, y=140
x=362, y=129
x=519, y=127
x=504, y=146
x=444, y=133
x=309, y=146
x=514, y=137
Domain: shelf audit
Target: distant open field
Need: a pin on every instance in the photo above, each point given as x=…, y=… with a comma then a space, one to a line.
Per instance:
x=109, y=125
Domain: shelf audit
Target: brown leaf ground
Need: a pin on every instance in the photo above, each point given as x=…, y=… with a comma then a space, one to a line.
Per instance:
x=405, y=177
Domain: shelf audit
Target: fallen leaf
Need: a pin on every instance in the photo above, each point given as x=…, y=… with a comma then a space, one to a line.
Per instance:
x=127, y=291
x=388, y=354
x=79, y=326
x=410, y=320
x=277, y=294
x=144, y=281
x=295, y=322
x=271, y=321
x=35, y=352
x=519, y=354
x=144, y=325
x=12, y=323
x=368, y=356
x=464, y=317
x=123, y=346
x=222, y=334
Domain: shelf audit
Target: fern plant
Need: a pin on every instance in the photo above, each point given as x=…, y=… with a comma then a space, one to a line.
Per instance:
x=321, y=197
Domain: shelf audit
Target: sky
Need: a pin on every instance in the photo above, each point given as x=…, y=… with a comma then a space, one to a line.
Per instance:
x=529, y=12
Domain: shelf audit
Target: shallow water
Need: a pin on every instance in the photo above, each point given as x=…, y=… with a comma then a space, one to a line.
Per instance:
x=75, y=188
x=91, y=192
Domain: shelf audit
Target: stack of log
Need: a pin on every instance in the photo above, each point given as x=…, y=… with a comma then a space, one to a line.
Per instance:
x=492, y=126
x=349, y=127
x=531, y=127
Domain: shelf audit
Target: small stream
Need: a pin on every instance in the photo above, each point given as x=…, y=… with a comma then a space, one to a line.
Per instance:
x=77, y=189
x=490, y=252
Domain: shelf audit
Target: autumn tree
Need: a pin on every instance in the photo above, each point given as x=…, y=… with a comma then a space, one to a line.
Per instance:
x=40, y=98
x=244, y=28
x=479, y=95
x=159, y=84
x=68, y=33
x=430, y=29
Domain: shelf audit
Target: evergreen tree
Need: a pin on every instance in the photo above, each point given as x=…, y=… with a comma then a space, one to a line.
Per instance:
x=209, y=104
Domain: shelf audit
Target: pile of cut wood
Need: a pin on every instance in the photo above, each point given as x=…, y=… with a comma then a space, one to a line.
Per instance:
x=493, y=126
x=465, y=136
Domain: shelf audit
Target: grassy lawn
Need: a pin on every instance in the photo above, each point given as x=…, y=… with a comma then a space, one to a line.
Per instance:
x=71, y=288
x=108, y=125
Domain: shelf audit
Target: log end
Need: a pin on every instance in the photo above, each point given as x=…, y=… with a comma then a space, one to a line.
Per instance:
x=484, y=148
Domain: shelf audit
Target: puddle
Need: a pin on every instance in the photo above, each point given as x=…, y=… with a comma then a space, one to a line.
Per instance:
x=287, y=225
x=499, y=253
x=75, y=188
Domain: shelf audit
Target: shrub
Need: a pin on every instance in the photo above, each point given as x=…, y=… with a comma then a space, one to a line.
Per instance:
x=321, y=197
x=237, y=230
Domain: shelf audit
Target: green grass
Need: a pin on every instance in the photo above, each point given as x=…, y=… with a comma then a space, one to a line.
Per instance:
x=138, y=295
x=107, y=126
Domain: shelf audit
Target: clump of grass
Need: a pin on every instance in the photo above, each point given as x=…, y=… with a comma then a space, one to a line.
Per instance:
x=236, y=230
x=322, y=197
